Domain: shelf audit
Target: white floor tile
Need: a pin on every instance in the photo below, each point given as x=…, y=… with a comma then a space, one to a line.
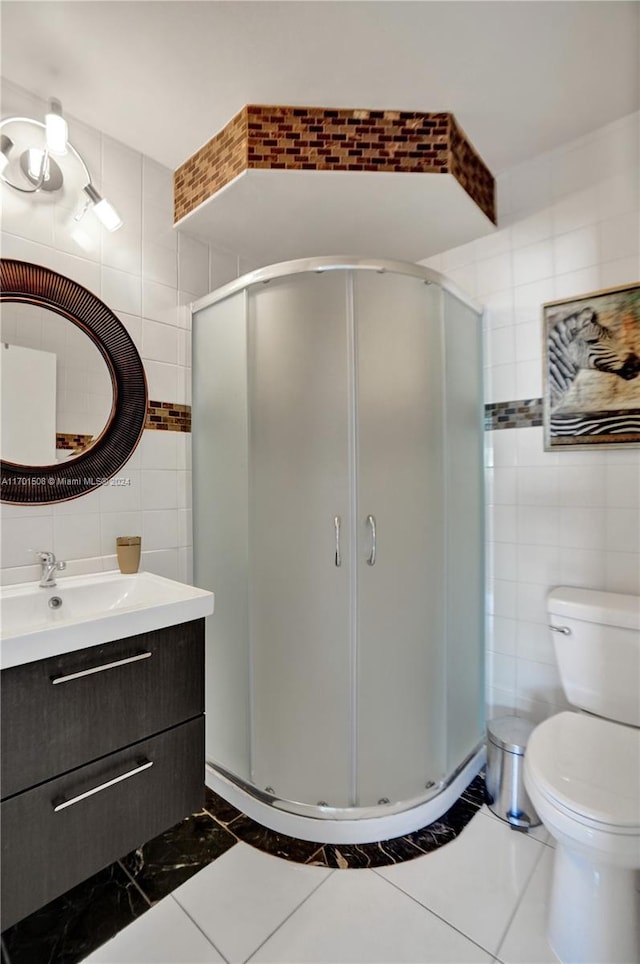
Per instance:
x=356, y=916
x=164, y=935
x=243, y=896
x=526, y=940
x=475, y=881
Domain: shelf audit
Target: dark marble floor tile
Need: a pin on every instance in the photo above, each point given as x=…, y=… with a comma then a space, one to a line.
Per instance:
x=172, y=857
x=432, y=836
x=475, y=791
x=277, y=844
x=358, y=856
x=72, y=926
x=223, y=812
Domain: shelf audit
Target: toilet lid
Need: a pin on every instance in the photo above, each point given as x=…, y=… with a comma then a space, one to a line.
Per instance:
x=590, y=766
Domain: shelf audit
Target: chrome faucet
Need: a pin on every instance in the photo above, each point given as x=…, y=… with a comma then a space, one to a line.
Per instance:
x=49, y=569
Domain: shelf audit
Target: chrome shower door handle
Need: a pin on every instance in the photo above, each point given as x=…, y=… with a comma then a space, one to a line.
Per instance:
x=337, y=522
x=371, y=521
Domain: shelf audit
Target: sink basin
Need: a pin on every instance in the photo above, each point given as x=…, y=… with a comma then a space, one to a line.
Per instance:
x=94, y=609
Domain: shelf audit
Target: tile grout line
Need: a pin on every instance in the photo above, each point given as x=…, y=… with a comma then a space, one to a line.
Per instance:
x=290, y=915
x=434, y=914
x=520, y=899
x=196, y=924
x=134, y=882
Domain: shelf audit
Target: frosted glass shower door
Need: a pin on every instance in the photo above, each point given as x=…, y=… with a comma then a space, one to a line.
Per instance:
x=299, y=598
x=401, y=628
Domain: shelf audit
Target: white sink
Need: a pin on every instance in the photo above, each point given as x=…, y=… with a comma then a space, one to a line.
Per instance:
x=96, y=608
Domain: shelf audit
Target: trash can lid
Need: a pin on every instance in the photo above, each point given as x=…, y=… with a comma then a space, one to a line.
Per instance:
x=510, y=733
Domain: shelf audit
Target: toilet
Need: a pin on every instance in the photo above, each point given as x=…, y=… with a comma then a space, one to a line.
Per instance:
x=582, y=773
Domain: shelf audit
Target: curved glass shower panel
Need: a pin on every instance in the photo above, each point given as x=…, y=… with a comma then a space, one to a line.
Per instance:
x=221, y=530
x=299, y=597
x=400, y=626
x=464, y=483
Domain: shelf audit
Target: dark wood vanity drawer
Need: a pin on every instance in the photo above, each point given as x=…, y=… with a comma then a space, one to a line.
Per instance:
x=50, y=727
x=45, y=853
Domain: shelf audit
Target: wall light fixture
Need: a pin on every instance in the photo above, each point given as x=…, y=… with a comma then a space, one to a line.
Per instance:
x=36, y=156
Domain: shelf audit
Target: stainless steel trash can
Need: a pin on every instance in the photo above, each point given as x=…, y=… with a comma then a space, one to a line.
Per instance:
x=504, y=784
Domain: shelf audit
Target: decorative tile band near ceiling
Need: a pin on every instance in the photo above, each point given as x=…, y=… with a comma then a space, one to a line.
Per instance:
x=323, y=139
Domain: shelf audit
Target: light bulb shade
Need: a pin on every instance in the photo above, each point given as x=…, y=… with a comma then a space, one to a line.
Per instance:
x=104, y=211
x=56, y=130
x=6, y=144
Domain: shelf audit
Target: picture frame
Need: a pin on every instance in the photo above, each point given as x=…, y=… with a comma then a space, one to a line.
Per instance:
x=591, y=369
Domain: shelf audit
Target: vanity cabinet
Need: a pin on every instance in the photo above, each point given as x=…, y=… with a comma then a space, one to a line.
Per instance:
x=102, y=749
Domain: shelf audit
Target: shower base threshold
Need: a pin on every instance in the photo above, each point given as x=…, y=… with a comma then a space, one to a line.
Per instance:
x=348, y=825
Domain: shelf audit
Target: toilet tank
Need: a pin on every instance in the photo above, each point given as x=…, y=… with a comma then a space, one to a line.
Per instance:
x=596, y=636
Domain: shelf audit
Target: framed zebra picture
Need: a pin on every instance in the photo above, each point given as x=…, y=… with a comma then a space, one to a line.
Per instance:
x=592, y=369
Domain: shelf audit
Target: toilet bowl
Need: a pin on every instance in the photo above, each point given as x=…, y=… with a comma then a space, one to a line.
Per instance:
x=582, y=773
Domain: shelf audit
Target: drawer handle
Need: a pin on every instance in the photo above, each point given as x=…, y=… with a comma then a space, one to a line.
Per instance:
x=103, y=786
x=100, y=669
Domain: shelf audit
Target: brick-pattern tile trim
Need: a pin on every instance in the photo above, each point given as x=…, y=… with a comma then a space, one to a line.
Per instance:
x=168, y=417
x=210, y=168
x=324, y=139
x=525, y=413
x=72, y=443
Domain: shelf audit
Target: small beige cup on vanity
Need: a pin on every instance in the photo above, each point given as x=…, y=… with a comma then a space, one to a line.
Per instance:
x=128, y=549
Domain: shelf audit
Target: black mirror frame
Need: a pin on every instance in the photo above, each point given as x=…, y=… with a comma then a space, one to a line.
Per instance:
x=37, y=485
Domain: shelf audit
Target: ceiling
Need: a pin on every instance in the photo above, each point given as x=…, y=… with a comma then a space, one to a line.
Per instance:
x=521, y=77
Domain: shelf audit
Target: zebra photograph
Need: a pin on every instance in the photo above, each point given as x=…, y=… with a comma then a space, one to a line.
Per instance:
x=592, y=369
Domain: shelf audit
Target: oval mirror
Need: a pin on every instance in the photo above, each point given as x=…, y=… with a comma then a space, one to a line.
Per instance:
x=74, y=394
x=70, y=397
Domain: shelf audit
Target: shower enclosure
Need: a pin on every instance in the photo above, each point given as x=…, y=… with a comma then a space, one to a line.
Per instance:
x=337, y=469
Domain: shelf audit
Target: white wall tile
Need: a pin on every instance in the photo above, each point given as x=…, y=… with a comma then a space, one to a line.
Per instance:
x=535, y=227
x=159, y=489
x=159, y=342
x=622, y=485
x=162, y=381
x=623, y=530
x=533, y=263
x=160, y=263
x=193, y=265
x=223, y=267
x=528, y=345
x=538, y=525
x=582, y=567
x=622, y=572
x=77, y=539
x=503, y=635
x=576, y=210
x=493, y=274
x=159, y=529
x=21, y=538
x=159, y=302
x=620, y=236
x=121, y=291
x=121, y=173
x=501, y=346
x=575, y=250
x=621, y=272
x=158, y=450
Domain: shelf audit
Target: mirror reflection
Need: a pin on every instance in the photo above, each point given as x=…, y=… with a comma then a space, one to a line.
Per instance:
x=57, y=393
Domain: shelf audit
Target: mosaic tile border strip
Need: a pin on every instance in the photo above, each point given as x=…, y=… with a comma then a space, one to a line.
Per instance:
x=333, y=139
x=72, y=443
x=74, y=925
x=168, y=417
x=524, y=413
